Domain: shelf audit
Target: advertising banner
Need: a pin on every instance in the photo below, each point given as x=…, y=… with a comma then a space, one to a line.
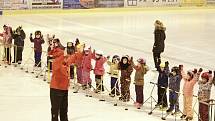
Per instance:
x=41, y=4
x=14, y=4
x=110, y=3
x=151, y=3
x=74, y=4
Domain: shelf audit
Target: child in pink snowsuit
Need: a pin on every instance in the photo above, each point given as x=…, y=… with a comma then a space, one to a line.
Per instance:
x=190, y=80
x=99, y=70
x=86, y=67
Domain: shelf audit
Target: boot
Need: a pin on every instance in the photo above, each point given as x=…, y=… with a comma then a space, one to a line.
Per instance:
x=183, y=116
x=189, y=118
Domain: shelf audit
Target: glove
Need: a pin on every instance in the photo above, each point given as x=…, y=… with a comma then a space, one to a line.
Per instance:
x=180, y=67
x=166, y=64
x=200, y=70
x=108, y=57
x=31, y=34
x=131, y=58
x=195, y=71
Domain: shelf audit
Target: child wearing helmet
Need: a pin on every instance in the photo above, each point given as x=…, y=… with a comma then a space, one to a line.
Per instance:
x=99, y=70
x=190, y=80
x=49, y=42
x=38, y=41
x=7, y=41
x=125, y=79
x=174, y=89
x=162, y=85
x=78, y=57
x=204, y=93
x=18, y=36
x=70, y=48
x=114, y=73
x=86, y=67
x=141, y=69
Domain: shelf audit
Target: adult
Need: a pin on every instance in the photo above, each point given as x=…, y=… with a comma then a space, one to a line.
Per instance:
x=158, y=47
x=60, y=82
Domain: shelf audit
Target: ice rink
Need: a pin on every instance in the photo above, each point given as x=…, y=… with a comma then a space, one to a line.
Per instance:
x=190, y=41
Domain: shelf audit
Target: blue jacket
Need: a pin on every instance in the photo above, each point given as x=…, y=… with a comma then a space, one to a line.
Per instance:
x=174, y=82
x=163, y=77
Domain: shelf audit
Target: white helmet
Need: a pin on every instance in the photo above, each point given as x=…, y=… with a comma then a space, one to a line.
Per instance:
x=99, y=52
x=86, y=48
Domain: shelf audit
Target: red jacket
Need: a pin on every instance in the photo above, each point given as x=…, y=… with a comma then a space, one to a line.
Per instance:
x=60, y=66
x=77, y=57
x=99, y=65
x=86, y=62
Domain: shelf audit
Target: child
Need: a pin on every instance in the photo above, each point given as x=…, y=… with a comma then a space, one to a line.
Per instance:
x=174, y=89
x=38, y=41
x=78, y=57
x=86, y=67
x=114, y=72
x=49, y=41
x=141, y=69
x=71, y=50
x=125, y=79
x=18, y=36
x=99, y=70
x=204, y=95
x=162, y=85
x=7, y=41
x=190, y=80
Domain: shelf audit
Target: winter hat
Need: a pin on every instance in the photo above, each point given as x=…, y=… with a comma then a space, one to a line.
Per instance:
x=159, y=25
x=116, y=57
x=69, y=44
x=190, y=73
x=99, y=52
x=162, y=65
x=141, y=60
x=175, y=69
x=205, y=75
x=122, y=65
x=38, y=32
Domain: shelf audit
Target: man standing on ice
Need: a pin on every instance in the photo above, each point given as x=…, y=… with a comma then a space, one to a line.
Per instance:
x=158, y=47
x=60, y=81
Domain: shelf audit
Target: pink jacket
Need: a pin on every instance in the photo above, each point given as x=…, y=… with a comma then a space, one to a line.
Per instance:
x=7, y=36
x=99, y=66
x=86, y=62
x=189, y=85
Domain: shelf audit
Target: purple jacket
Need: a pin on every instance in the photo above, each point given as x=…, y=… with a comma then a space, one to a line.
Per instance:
x=37, y=43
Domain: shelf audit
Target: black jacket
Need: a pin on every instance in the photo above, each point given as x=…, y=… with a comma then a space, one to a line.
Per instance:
x=159, y=37
x=19, y=39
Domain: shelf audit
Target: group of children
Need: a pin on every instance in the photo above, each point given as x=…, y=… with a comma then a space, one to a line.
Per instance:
x=120, y=72
x=170, y=81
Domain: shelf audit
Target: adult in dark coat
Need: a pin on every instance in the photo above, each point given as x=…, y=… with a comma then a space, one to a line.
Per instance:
x=159, y=38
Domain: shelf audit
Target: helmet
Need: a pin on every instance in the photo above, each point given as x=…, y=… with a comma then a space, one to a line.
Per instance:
x=116, y=57
x=99, y=52
x=162, y=65
x=87, y=48
x=205, y=75
x=190, y=73
x=69, y=44
x=175, y=69
x=37, y=32
x=78, y=46
x=141, y=60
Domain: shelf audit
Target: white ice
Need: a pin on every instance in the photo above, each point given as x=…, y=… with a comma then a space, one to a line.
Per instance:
x=190, y=41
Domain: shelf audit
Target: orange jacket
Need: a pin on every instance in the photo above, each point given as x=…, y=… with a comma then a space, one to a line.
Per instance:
x=60, y=66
